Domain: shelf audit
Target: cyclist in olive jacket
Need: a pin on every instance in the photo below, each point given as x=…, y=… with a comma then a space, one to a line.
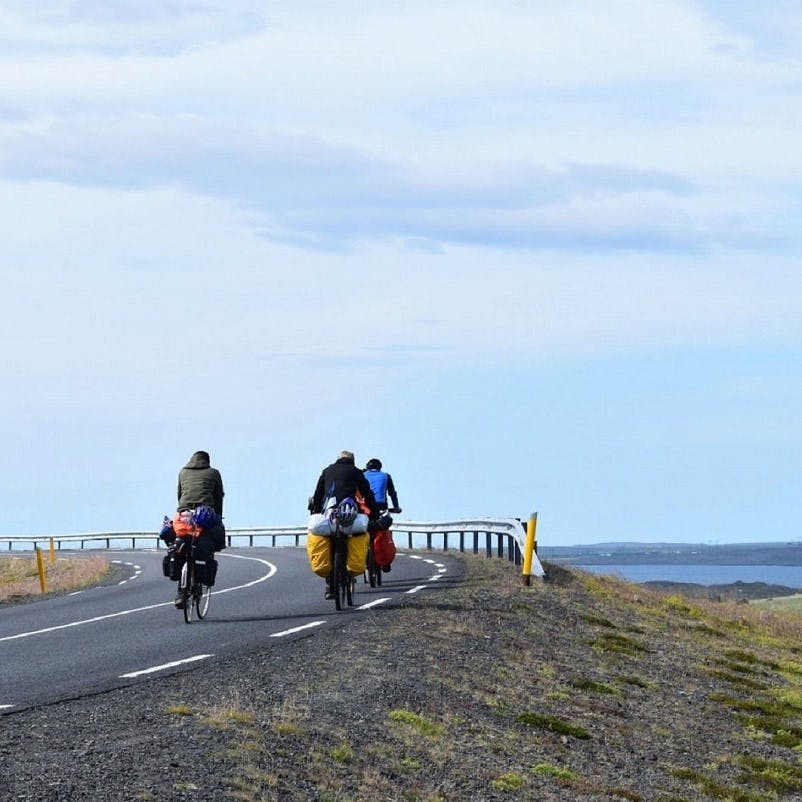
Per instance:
x=201, y=486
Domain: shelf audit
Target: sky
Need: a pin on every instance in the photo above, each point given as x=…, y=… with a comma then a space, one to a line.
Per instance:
x=534, y=255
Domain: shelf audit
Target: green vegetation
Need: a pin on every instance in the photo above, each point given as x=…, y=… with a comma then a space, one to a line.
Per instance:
x=598, y=620
x=416, y=721
x=781, y=604
x=558, y=772
x=552, y=724
x=510, y=781
x=594, y=687
x=636, y=681
x=612, y=642
x=342, y=753
x=717, y=790
x=773, y=774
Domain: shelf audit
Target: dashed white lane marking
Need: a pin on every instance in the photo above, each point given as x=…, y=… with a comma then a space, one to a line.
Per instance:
x=137, y=571
x=165, y=666
x=5, y=707
x=146, y=607
x=441, y=570
x=373, y=603
x=310, y=625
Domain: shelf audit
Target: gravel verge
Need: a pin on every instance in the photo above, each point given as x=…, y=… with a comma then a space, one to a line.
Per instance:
x=577, y=688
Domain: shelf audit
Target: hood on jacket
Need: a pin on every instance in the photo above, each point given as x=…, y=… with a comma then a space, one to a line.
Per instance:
x=200, y=459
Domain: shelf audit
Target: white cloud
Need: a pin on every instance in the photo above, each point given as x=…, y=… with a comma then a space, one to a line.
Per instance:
x=125, y=26
x=348, y=223
x=499, y=123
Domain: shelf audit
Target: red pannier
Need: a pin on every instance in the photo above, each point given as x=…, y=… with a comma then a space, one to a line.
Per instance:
x=383, y=548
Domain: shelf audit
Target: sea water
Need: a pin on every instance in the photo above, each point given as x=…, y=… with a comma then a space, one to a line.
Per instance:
x=788, y=575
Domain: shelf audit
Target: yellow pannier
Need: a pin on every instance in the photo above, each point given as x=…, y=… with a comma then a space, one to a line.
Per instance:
x=357, y=553
x=318, y=550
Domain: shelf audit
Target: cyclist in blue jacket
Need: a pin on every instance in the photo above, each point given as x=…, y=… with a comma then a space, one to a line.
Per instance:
x=381, y=483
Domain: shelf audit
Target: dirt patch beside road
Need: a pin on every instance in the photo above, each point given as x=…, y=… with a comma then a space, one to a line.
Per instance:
x=19, y=574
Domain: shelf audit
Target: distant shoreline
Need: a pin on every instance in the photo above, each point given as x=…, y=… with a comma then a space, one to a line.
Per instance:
x=779, y=554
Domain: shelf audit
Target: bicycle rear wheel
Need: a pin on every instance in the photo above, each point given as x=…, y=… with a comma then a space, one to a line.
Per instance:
x=339, y=577
x=372, y=568
x=377, y=571
x=202, y=597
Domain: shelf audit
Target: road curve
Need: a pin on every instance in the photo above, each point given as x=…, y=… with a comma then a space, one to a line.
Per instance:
x=111, y=635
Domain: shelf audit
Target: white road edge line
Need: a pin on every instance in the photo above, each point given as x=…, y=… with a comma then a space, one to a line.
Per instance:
x=165, y=666
x=46, y=630
x=297, y=629
x=5, y=707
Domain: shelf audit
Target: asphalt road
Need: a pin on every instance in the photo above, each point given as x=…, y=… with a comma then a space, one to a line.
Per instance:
x=112, y=635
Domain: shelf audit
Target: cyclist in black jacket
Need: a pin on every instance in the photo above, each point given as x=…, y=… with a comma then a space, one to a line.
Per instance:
x=342, y=479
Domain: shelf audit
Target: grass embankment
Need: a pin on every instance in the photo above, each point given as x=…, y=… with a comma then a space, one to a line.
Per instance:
x=19, y=575
x=580, y=688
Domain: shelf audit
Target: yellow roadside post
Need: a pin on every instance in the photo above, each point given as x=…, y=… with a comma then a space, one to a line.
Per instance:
x=530, y=548
x=52, y=551
x=40, y=566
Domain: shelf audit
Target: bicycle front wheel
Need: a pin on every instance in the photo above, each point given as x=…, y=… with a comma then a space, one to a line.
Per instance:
x=350, y=582
x=339, y=576
x=202, y=597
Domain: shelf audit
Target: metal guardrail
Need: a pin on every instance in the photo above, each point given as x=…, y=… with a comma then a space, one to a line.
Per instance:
x=499, y=537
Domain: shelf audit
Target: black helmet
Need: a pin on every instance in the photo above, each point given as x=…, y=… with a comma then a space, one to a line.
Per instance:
x=374, y=465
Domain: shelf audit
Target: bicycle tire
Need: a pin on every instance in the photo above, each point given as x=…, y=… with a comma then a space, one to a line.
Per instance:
x=183, y=580
x=202, y=601
x=374, y=572
x=338, y=575
x=188, y=574
x=371, y=567
x=350, y=582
